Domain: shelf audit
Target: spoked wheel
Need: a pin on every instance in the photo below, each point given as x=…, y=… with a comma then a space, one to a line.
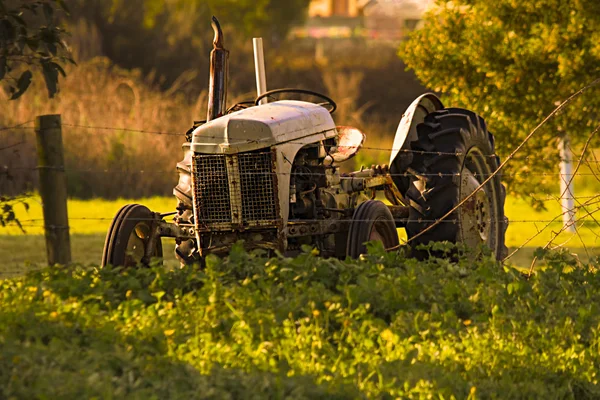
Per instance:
x=129, y=236
x=372, y=221
x=458, y=155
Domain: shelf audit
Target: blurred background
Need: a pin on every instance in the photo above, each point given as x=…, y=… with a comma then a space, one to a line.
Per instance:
x=143, y=64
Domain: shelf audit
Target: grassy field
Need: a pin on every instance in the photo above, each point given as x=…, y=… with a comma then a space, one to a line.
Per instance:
x=89, y=221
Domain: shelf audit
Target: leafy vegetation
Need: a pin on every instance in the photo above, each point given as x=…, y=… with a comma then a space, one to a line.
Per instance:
x=249, y=327
x=513, y=62
x=31, y=40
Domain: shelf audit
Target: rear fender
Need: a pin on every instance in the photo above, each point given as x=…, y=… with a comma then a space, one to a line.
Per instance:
x=414, y=115
x=406, y=133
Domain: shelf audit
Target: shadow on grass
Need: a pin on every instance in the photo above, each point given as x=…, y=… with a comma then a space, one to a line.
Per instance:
x=40, y=358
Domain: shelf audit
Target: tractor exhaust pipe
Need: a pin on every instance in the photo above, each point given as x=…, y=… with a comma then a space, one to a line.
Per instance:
x=219, y=66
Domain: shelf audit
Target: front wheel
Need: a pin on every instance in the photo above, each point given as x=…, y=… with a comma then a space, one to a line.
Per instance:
x=372, y=221
x=129, y=236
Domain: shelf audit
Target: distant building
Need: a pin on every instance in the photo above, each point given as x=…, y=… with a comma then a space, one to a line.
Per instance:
x=339, y=8
x=370, y=19
x=393, y=19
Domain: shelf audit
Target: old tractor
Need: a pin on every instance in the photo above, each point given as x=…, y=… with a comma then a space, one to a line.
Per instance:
x=268, y=173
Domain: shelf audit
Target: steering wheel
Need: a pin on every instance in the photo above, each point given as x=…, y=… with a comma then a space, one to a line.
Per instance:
x=328, y=104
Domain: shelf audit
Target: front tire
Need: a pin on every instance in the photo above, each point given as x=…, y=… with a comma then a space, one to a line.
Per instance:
x=372, y=221
x=458, y=154
x=129, y=236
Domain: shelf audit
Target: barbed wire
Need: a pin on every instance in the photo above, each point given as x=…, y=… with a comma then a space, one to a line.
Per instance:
x=567, y=188
x=12, y=145
x=238, y=141
x=108, y=128
x=17, y=126
x=274, y=173
x=555, y=220
x=292, y=221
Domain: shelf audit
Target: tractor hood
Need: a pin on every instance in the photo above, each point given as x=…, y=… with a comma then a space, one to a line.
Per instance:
x=261, y=127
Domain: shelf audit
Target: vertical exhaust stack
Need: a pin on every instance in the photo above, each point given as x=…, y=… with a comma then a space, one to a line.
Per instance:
x=219, y=66
x=259, y=66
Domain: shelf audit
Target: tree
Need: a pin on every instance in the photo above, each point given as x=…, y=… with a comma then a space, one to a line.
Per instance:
x=513, y=61
x=31, y=41
x=170, y=37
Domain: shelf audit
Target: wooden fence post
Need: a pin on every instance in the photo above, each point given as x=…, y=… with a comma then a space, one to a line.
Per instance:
x=53, y=188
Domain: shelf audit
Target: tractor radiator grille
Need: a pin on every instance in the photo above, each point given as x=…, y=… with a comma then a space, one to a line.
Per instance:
x=211, y=189
x=258, y=191
x=235, y=190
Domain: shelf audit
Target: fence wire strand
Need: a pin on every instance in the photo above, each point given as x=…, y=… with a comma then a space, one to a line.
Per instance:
x=17, y=126
x=584, y=203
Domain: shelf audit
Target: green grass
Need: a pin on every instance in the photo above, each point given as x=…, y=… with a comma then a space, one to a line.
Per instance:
x=89, y=221
x=28, y=252
x=524, y=224
x=85, y=216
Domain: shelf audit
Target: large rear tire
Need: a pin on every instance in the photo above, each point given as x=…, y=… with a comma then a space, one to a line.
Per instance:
x=129, y=236
x=372, y=221
x=458, y=155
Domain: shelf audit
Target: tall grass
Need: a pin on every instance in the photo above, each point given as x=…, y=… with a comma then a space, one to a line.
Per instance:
x=102, y=162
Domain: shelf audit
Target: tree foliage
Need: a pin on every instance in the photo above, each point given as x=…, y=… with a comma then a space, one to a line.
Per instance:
x=513, y=62
x=31, y=40
x=249, y=17
x=171, y=37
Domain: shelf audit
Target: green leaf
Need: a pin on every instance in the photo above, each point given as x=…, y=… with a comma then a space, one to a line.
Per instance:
x=63, y=5
x=18, y=18
x=3, y=66
x=33, y=9
x=540, y=252
x=48, y=12
x=22, y=84
x=20, y=44
x=7, y=30
x=51, y=79
x=32, y=43
x=51, y=46
x=146, y=297
x=59, y=69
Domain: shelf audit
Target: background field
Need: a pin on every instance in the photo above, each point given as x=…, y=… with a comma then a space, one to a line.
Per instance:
x=91, y=219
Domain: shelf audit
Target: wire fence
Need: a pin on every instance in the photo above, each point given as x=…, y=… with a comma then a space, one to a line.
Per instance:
x=587, y=205
x=525, y=159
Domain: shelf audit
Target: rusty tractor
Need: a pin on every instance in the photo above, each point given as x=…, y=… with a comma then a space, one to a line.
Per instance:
x=268, y=173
